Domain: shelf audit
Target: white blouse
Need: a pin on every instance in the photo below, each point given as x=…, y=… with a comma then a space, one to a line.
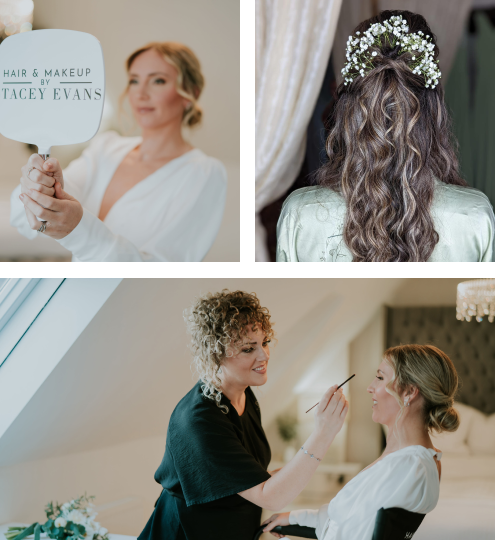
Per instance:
x=172, y=215
x=406, y=478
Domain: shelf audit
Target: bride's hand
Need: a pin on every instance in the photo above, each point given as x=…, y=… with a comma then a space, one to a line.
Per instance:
x=41, y=175
x=273, y=521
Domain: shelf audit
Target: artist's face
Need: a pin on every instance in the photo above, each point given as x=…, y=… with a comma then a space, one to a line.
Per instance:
x=152, y=92
x=249, y=365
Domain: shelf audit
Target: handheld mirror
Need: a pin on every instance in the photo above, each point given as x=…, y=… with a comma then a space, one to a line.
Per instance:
x=52, y=88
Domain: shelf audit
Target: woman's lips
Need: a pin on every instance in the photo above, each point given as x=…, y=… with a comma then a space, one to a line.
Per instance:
x=143, y=110
x=260, y=370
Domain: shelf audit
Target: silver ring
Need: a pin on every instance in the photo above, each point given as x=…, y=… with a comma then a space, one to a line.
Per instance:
x=29, y=172
x=43, y=227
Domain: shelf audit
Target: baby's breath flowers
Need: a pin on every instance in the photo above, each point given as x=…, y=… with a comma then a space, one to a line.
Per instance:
x=393, y=31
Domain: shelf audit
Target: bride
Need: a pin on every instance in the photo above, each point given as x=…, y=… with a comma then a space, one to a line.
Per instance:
x=413, y=393
x=147, y=198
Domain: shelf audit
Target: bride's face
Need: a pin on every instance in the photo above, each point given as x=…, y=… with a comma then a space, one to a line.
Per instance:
x=385, y=406
x=153, y=93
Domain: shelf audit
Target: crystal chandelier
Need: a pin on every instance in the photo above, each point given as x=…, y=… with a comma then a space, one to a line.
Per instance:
x=476, y=298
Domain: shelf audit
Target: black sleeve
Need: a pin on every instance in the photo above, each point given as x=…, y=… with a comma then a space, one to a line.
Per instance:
x=209, y=458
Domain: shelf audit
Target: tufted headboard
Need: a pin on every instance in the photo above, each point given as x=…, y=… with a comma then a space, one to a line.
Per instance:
x=470, y=346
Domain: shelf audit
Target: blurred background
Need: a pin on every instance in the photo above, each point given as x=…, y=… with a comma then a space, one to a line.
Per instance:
x=290, y=141
x=88, y=410
x=210, y=29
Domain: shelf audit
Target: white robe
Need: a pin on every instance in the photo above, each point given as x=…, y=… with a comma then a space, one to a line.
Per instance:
x=172, y=215
x=406, y=478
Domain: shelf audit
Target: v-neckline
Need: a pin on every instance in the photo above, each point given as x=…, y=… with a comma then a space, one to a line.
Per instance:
x=128, y=150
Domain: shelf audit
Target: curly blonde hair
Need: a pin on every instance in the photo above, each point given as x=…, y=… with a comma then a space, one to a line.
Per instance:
x=432, y=372
x=218, y=323
x=190, y=80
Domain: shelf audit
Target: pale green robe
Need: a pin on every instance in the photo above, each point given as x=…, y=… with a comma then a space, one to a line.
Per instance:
x=312, y=220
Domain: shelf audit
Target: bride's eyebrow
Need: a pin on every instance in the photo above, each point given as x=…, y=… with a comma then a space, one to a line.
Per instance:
x=149, y=75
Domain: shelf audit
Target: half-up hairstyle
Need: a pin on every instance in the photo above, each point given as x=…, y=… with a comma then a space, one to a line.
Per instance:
x=218, y=324
x=389, y=138
x=190, y=80
x=432, y=372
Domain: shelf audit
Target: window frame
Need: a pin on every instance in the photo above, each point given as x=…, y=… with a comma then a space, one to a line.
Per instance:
x=12, y=294
x=21, y=302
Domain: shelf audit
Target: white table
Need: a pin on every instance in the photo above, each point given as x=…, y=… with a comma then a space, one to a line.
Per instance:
x=4, y=528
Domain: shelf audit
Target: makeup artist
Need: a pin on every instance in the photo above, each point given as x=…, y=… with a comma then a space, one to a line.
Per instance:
x=214, y=471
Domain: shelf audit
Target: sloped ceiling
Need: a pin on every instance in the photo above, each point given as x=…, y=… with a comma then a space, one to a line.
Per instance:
x=126, y=372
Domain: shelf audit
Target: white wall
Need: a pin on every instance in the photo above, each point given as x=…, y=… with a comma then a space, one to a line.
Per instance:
x=366, y=350
x=120, y=477
x=426, y=292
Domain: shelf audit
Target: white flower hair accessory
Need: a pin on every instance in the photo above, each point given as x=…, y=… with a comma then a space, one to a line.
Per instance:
x=394, y=31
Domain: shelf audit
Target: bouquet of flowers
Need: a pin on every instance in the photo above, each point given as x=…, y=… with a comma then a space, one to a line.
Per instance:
x=71, y=521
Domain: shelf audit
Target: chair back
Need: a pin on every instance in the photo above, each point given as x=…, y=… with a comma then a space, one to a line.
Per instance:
x=396, y=524
x=390, y=524
x=293, y=530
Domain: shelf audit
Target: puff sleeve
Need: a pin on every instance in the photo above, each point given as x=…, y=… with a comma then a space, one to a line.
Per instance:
x=208, y=456
x=310, y=518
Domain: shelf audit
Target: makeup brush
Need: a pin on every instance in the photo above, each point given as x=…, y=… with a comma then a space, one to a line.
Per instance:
x=336, y=390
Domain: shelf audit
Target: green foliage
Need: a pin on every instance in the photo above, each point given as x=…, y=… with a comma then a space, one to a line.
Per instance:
x=72, y=531
x=287, y=427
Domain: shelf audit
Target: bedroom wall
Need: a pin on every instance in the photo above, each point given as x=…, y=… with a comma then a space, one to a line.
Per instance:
x=363, y=435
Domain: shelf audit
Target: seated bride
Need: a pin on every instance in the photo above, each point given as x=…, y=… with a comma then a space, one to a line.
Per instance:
x=413, y=393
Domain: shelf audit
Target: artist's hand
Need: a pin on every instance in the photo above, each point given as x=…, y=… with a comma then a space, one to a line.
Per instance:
x=331, y=412
x=62, y=213
x=273, y=521
x=43, y=175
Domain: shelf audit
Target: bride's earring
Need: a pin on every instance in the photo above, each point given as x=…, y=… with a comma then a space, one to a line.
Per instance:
x=407, y=401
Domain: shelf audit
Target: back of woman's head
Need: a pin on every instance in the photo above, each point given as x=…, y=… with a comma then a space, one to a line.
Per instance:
x=432, y=372
x=390, y=137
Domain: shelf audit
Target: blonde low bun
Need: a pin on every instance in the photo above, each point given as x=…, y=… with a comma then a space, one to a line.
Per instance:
x=432, y=372
x=193, y=116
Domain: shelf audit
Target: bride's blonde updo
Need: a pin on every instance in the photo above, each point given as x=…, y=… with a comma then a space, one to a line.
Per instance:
x=218, y=323
x=432, y=372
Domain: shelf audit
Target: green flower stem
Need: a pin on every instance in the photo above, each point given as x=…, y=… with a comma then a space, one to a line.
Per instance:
x=25, y=532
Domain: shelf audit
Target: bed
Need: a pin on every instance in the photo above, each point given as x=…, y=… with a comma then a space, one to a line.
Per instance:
x=466, y=508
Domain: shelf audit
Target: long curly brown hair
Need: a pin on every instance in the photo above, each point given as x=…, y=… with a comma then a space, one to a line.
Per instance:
x=218, y=323
x=390, y=136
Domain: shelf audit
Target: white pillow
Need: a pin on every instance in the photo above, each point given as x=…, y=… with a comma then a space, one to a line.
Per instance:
x=456, y=442
x=481, y=438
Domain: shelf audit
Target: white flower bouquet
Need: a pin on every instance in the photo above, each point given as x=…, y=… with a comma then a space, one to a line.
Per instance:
x=69, y=521
x=393, y=32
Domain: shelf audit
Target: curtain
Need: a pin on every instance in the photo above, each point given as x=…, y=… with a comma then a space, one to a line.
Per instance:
x=293, y=43
x=469, y=95
x=484, y=108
